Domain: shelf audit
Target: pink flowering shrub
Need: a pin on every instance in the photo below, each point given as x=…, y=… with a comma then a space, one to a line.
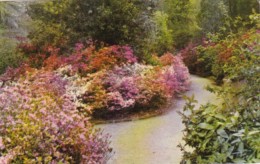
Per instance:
x=182, y=73
x=112, y=90
x=121, y=87
x=40, y=123
x=176, y=71
x=136, y=86
x=167, y=77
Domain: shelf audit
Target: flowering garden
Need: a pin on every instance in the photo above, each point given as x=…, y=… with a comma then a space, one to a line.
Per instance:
x=78, y=61
x=55, y=102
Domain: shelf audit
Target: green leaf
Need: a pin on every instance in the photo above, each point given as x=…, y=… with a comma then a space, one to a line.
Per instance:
x=220, y=116
x=235, y=141
x=222, y=133
x=230, y=150
x=238, y=134
x=239, y=160
x=206, y=126
x=253, y=132
x=241, y=148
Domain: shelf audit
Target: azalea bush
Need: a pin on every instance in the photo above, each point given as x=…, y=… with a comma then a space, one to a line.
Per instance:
x=125, y=89
x=181, y=72
x=106, y=81
x=134, y=87
x=40, y=122
x=112, y=80
x=83, y=59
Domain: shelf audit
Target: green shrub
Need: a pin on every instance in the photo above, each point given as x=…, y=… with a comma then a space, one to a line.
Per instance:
x=8, y=55
x=161, y=39
x=221, y=135
x=229, y=133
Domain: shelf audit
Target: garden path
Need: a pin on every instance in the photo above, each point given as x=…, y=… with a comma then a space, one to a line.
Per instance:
x=154, y=140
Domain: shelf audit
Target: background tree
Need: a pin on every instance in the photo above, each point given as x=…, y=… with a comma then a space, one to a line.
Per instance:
x=242, y=8
x=239, y=11
x=160, y=38
x=212, y=16
x=9, y=28
x=181, y=21
x=63, y=23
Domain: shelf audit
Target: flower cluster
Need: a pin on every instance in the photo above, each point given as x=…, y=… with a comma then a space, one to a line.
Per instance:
x=40, y=123
x=133, y=86
x=90, y=60
x=110, y=78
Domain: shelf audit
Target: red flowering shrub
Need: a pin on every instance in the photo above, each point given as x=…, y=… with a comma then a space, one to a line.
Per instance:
x=190, y=57
x=35, y=55
x=90, y=60
x=52, y=63
x=167, y=59
x=27, y=48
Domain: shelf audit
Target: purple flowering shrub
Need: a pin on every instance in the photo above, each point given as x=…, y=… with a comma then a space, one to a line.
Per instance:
x=40, y=123
x=121, y=87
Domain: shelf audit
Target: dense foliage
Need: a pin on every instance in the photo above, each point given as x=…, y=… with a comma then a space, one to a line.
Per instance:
x=215, y=56
x=63, y=23
x=242, y=8
x=224, y=16
x=210, y=21
x=8, y=54
x=162, y=25
x=181, y=21
x=227, y=133
x=8, y=22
